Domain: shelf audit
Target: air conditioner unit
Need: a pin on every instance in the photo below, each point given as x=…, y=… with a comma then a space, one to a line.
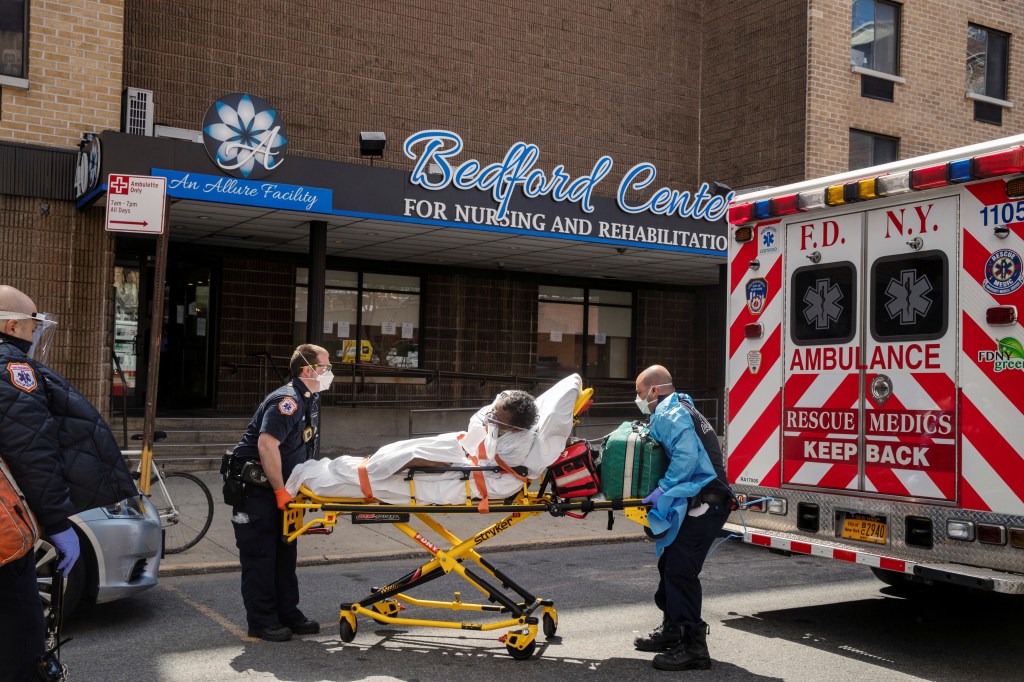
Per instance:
x=137, y=112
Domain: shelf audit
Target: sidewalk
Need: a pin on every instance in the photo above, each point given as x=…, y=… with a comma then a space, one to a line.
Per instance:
x=216, y=552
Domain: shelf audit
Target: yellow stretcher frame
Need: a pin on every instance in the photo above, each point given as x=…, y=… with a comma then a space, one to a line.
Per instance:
x=383, y=603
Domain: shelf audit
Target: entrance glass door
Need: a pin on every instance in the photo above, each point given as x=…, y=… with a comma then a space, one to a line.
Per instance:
x=186, y=347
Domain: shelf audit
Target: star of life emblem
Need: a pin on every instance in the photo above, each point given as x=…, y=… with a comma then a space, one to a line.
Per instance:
x=908, y=297
x=287, y=406
x=23, y=376
x=823, y=303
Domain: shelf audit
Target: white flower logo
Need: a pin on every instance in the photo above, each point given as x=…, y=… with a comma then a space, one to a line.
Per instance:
x=239, y=138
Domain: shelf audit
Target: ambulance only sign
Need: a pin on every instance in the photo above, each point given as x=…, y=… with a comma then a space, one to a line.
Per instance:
x=135, y=203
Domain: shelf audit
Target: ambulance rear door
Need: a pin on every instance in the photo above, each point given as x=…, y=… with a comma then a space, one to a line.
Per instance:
x=911, y=349
x=822, y=382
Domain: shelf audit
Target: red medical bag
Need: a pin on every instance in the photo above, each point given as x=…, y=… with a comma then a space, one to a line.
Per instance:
x=574, y=472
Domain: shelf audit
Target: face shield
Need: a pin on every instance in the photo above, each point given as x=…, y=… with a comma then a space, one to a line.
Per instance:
x=42, y=334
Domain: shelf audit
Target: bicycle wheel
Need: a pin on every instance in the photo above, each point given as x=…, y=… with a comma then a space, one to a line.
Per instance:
x=186, y=509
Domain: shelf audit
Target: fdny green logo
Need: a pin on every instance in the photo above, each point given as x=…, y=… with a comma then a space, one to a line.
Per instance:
x=1008, y=355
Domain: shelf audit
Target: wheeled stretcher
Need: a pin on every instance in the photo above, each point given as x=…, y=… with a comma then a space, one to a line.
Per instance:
x=521, y=612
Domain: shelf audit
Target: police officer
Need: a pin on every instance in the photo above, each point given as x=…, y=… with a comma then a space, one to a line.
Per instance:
x=688, y=509
x=283, y=432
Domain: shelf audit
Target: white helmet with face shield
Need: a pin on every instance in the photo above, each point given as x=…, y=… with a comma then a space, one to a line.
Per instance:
x=44, y=327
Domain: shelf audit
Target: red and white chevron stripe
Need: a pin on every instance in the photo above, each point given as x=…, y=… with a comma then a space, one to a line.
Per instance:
x=991, y=402
x=755, y=405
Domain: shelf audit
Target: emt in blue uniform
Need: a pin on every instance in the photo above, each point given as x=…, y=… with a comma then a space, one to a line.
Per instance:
x=688, y=509
x=283, y=432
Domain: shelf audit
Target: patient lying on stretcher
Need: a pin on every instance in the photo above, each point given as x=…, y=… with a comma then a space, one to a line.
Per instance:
x=513, y=431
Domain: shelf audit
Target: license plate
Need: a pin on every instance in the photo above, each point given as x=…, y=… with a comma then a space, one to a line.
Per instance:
x=865, y=528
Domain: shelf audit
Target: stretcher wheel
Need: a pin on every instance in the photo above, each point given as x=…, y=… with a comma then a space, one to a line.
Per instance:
x=347, y=626
x=521, y=654
x=550, y=623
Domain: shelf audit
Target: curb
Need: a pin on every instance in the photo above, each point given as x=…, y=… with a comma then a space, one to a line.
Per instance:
x=233, y=566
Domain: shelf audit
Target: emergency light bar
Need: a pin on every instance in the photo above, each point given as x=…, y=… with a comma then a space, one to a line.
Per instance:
x=887, y=185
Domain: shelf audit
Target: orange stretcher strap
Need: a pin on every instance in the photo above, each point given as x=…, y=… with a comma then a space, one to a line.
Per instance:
x=481, y=486
x=364, y=480
x=508, y=470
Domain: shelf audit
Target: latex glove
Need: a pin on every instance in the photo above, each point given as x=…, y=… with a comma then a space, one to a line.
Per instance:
x=67, y=546
x=283, y=498
x=652, y=499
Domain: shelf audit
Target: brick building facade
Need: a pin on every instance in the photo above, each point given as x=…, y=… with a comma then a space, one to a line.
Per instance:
x=703, y=92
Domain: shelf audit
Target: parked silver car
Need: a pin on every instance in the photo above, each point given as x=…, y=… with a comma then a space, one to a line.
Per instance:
x=121, y=549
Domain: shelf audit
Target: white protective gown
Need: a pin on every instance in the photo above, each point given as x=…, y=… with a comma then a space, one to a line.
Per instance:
x=535, y=449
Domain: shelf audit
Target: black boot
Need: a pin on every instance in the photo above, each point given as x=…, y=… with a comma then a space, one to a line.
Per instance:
x=690, y=654
x=665, y=637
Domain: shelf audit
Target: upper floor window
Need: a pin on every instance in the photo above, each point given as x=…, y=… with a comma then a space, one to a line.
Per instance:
x=875, y=36
x=14, y=42
x=875, y=48
x=871, y=149
x=987, y=52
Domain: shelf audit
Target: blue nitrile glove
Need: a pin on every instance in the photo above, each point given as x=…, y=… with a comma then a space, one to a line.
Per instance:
x=66, y=543
x=652, y=499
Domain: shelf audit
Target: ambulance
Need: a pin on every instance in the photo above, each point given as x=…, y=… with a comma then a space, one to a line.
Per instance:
x=875, y=403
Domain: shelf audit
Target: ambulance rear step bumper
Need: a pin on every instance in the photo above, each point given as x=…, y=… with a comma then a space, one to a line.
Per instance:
x=957, y=574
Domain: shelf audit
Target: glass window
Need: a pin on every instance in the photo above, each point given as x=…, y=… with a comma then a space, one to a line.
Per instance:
x=824, y=304
x=908, y=297
x=563, y=314
x=368, y=318
x=875, y=36
x=126, y=329
x=871, y=149
x=986, y=61
x=14, y=38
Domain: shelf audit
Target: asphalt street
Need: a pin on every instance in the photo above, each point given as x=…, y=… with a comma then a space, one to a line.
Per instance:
x=771, y=617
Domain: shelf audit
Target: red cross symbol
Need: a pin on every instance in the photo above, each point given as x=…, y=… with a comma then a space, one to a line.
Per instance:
x=119, y=184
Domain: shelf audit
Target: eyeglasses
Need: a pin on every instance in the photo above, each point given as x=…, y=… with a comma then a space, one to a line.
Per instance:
x=490, y=419
x=326, y=366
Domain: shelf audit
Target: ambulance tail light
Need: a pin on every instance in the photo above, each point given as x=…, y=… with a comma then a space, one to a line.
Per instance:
x=754, y=330
x=762, y=209
x=778, y=505
x=808, y=201
x=786, y=205
x=891, y=185
x=918, y=532
x=1001, y=315
x=1000, y=163
x=1017, y=538
x=743, y=234
x=743, y=213
x=808, y=517
x=991, y=534
x=927, y=178
x=1015, y=188
x=960, y=530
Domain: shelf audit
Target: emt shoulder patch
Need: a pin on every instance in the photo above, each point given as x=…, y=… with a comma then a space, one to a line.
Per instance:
x=287, y=406
x=23, y=376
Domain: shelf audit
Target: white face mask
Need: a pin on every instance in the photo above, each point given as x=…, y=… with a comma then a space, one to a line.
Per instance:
x=642, y=403
x=324, y=380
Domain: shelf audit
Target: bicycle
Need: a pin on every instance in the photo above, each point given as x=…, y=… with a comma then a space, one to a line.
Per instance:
x=186, y=522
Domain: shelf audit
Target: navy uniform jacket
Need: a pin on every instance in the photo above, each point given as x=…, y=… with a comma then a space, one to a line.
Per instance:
x=62, y=454
x=290, y=414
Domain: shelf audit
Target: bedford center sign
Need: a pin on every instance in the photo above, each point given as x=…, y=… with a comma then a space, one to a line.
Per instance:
x=135, y=203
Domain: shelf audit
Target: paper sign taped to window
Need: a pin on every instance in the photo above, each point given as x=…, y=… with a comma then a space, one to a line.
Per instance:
x=407, y=330
x=556, y=336
x=387, y=328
